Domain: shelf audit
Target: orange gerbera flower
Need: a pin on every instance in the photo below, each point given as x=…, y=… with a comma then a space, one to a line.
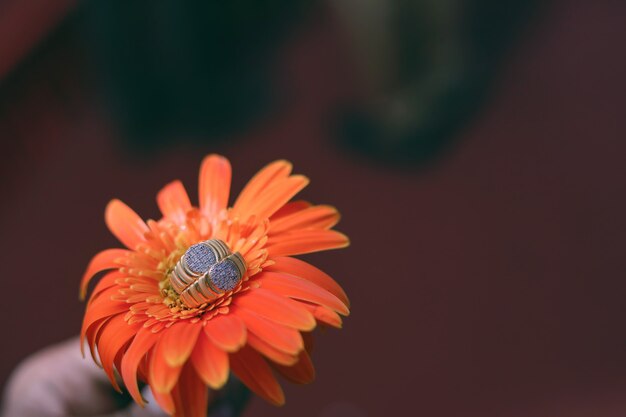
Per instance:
x=141, y=328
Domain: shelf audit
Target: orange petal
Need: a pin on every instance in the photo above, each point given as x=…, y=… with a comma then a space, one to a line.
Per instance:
x=275, y=196
x=113, y=338
x=141, y=344
x=165, y=401
x=173, y=202
x=300, y=289
x=306, y=241
x=91, y=334
x=125, y=224
x=282, y=338
x=163, y=376
x=290, y=208
x=298, y=268
x=210, y=362
x=102, y=261
x=316, y=217
x=106, y=296
x=226, y=331
x=178, y=342
x=107, y=282
x=214, y=185
x=302, y=372
x=253, y=371
x=276, y=308
x=190, y=395
x=324, y=315
x=99, y=310
x=270, y=352
x=263, y=179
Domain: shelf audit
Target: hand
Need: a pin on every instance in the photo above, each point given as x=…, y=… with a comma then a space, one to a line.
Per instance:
x=59, y=382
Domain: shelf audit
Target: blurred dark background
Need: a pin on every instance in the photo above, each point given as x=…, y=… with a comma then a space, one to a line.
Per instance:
x=476, y=148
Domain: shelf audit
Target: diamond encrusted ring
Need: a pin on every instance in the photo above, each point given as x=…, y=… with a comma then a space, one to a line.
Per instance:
x=206, y=270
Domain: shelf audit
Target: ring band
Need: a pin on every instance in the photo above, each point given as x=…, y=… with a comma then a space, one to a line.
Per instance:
x=205, y=271
x=196, y=262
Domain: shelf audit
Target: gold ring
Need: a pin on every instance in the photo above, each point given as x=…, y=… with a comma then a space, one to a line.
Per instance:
x=205, y=271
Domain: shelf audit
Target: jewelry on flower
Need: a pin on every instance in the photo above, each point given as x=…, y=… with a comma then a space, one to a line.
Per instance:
x=185, y=323
x=206, y=271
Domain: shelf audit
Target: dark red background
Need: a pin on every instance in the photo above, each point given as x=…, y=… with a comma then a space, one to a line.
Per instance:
x=489, y=284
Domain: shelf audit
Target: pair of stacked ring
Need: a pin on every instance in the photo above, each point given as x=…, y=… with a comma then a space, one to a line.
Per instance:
x=206, y=270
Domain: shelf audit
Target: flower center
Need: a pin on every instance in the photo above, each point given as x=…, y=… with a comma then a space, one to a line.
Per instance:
x=205, y=272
